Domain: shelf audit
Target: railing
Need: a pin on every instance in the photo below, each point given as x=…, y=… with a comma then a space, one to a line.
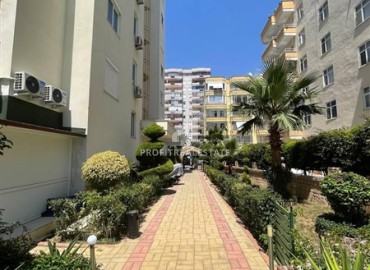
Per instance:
x=283, y=235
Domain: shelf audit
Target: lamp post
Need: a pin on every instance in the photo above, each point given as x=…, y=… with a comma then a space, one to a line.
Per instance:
x=270, y=247
x=91, y=240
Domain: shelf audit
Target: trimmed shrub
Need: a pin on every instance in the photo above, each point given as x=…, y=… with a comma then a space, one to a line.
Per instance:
x=347, y=194
x=259, y=153
x=361, y=149
x=154, y=132
x=105, y=170
x=149, y=154
x=161, y=170
x=155, y=181
x=66, y=211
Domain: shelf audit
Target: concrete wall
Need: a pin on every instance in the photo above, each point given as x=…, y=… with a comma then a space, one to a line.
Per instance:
x=38, y=167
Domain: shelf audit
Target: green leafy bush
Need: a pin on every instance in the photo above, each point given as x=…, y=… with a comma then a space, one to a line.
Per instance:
x=154, y=132
x=136, y=196
x=361, y=149
x=56, y=260
x=254, y=206
x=161, y=170
x=105, y=170
x=347, y=194
x=259, y=153
x=149, y=154
x=107, y=214
x=155, y=181
x=13, y=251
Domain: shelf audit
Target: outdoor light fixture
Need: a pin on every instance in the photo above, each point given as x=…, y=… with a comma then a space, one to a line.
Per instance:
x=91, y=240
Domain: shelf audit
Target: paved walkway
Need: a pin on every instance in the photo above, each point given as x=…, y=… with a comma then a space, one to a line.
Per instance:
x=191, y=227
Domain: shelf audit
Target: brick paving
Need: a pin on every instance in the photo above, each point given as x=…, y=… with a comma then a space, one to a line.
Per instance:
x=191, y=227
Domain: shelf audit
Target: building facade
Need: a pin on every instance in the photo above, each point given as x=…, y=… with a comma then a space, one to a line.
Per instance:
x=94, y=52
x=330, y=38
x=184, y=100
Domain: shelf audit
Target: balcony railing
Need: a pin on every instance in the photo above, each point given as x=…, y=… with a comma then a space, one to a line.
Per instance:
x=270, y=51
x=269, y=30
x=284, y=11
x=285, y=35
x=289, y=54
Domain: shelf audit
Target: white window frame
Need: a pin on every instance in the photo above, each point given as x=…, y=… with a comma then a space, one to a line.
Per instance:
x=300, y=12
x=324, y=12
x=366, y=92
x=326, y=44
x=114, y=16
x=360, y=12
x=326, y=78
x=366, y=52
x=331, y=106
x=303, y=63
x=301, y=38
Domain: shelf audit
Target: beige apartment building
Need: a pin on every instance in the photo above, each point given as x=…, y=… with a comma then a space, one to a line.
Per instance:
x=77, y=78
x=332, y=38
x=184, y=100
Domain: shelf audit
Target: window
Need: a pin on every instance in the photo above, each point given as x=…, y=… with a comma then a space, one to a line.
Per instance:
x=307, y=119
x=364, y=51
x=362, y=11
x=328, y=76
x=331, y=110
x=300, y=11
x=133, y=125
x=367, y=97
x=135, y=26
x=323, y=12
x=134, y=67
x=215, y=99
x=325, y=44
x=111, y=78
x=113, y=15
x=222, y=114
x=301, y=38
x=303, y=62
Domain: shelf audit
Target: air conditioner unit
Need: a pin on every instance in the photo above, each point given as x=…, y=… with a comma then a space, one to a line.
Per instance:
x=137, y=92
x=26, y=84
x=55, y=96
x=138, y=43
x=140, y=2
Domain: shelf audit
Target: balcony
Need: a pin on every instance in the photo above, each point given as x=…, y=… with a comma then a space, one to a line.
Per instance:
x=269, y=30
x=197, y=105
x=216, y=119
x=216, y=106
x=284, y=11
x=173, y=85
x=271, y=51
x=177, y=78
x=289, y=54
x=286, y=34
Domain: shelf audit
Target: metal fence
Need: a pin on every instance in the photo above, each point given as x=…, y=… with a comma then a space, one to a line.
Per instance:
x=283, y=235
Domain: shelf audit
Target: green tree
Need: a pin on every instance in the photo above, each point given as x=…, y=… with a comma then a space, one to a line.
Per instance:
x=276, y=100
x=214, y=136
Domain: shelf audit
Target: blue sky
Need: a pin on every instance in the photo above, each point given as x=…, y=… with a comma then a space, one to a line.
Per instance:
x=221, y=34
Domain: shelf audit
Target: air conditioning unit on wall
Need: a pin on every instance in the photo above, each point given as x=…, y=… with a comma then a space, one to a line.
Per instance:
x=55, y=96
x=26, y=84
x=138, y=43
x=137, y=92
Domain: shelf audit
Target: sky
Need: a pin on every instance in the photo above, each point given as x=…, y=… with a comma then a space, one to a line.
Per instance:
x=221, y=34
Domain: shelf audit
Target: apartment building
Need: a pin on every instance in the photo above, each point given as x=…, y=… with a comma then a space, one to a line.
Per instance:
x=331, y=38
x=73, y=83
x=184, y=100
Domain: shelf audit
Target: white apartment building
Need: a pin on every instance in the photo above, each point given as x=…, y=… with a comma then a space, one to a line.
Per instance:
x=332, y=38
x=94, y=52
x=184, y=100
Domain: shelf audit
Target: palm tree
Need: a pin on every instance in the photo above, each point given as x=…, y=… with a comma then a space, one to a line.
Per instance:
x=276, y=99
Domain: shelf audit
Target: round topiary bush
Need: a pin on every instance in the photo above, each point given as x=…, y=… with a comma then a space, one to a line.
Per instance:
x=105, y=170
x=154, y=132
x=347, y=194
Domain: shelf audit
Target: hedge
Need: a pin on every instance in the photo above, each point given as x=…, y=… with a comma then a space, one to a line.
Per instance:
x=254, y=206
x=161, y=170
